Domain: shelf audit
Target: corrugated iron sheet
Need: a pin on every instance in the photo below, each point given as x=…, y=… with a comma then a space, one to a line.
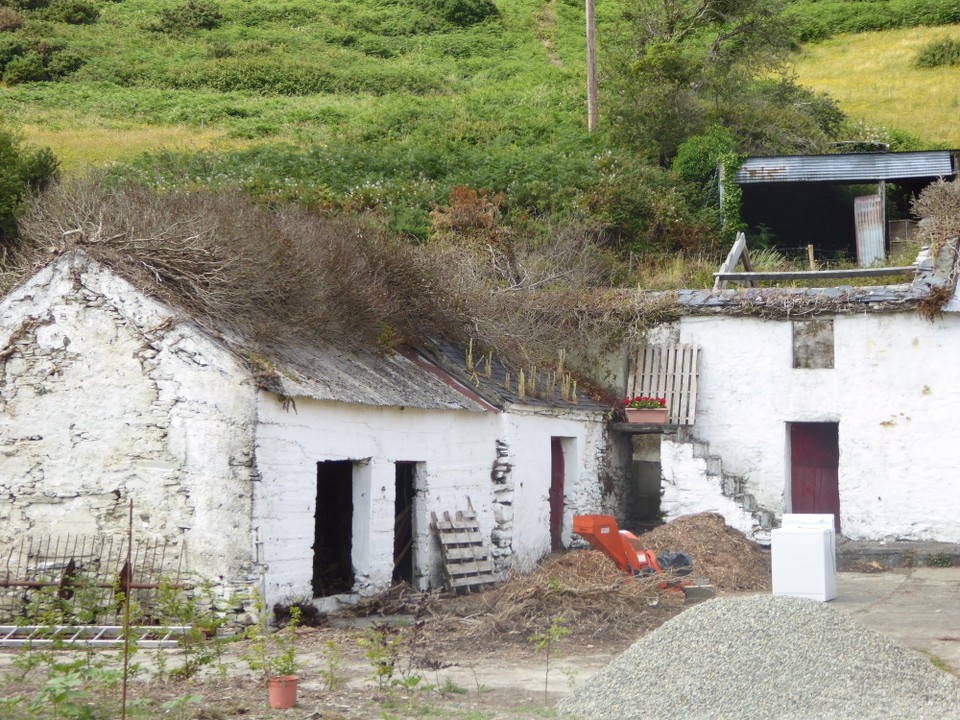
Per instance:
x=859, y=167
x=868, y=218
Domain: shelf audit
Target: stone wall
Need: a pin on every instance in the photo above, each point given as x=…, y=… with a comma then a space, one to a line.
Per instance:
x=107, y=397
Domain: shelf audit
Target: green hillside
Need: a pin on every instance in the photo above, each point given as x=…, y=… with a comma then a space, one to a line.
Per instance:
x=387, y=105
x=874, y=78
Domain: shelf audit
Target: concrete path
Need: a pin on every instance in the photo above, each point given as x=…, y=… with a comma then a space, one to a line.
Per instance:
x=918, y=607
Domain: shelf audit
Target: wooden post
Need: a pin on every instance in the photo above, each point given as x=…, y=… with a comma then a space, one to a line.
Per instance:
x=813, y=262
x=591, y=68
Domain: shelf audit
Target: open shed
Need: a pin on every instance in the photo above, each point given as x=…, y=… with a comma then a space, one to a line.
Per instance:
x=852, y=205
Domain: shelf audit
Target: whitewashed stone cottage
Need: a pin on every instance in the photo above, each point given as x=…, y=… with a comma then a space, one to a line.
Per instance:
x=323, y=483
x=837, y=400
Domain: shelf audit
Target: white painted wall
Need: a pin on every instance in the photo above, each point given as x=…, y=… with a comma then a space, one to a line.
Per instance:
x=688, y=489
x=893, y=391
x=584, y=454
x=457, y=450
x=105, y=396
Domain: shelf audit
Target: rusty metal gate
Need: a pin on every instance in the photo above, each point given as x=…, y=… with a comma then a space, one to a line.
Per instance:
x=79, y=579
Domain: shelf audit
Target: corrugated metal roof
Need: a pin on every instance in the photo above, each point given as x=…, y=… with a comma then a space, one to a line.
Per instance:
x=859, y=167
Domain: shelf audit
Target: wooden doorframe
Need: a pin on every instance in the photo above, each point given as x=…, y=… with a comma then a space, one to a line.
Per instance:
x=404, y=523
x=813, y=463
x=556, y=493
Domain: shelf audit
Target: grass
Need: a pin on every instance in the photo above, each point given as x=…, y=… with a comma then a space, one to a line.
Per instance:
x=77, y=147
x=872, y=77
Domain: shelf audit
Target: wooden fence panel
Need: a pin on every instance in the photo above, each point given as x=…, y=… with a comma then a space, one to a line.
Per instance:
x=671, y=372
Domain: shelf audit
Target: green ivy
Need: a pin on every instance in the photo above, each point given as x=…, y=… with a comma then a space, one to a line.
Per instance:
x=730, y=221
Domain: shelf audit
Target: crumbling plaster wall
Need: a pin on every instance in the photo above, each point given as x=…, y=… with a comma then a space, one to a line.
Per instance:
x=892, y=390
x=500, y=461
x=583, y=438
x=107, y=396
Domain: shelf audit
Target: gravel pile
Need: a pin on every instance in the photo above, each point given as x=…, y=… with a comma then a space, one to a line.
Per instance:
x=760, y=657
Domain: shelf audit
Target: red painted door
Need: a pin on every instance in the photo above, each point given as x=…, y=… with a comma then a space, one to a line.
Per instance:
x=556, y=493
x=814, y=469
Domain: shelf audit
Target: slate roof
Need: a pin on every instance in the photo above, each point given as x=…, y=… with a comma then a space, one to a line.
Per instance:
x=452, y=359
x=389, y=379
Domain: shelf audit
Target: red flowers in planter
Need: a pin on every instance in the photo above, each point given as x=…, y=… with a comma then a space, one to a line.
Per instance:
x=642, y=402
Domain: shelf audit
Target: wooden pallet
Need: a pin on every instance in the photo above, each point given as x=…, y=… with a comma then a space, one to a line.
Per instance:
x=466, y=561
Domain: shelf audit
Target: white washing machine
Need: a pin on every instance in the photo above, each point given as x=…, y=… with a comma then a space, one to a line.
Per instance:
x=804, y=557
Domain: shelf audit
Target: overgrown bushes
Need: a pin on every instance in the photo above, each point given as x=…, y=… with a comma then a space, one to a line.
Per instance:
x=814, y=20
x=73, y=12
x=278, y=75
x=23, y=61
x=188, y=16
x=10, y=19
x=284, y=275
x=462, y=12
x=22, y=170
x=944, y=52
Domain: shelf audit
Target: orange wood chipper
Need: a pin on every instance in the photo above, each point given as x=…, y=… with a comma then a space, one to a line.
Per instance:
x=624, y=549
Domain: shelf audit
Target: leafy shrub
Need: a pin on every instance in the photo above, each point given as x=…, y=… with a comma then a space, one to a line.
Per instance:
x=22, y=62
x=189, y=15
x=63, y=63
x=10, y=47
x=697, y=157
x=10, y=19
x=25, y=68
x=31, y=4
x=939, y=53
x=24, y=170
x=72, y=12
x=463, y=12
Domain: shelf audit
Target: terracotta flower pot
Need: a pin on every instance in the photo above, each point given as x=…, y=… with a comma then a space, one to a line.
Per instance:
x=283, y=691
x=648, y=416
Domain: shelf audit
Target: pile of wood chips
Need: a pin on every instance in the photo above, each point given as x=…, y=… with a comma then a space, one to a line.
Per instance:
x=588, y=591
x=583, y=590
x=722, y=554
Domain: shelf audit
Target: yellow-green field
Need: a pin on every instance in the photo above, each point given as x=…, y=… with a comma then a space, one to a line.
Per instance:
x=871, y=75
x=77, y=145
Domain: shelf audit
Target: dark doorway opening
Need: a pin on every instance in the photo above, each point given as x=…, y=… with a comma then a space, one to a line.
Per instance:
x=556, y=493
x=644, y=491
x=333, y=529
x=403, y=522
x=815, y=469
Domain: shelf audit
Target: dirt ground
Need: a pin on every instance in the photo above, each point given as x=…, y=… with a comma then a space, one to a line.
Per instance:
x=466, y=657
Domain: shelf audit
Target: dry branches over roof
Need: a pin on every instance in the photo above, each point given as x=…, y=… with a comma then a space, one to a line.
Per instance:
x=938, y=206
x=232, y=264
x=271, y=276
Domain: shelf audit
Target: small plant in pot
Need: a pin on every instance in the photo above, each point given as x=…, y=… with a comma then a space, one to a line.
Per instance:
x=273, y=656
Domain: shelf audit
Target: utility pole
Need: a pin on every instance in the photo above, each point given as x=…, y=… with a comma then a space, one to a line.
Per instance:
x=591, y=68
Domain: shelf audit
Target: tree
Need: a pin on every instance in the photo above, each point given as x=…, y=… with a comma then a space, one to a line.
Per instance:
x=22, y=170
x=686, y=64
